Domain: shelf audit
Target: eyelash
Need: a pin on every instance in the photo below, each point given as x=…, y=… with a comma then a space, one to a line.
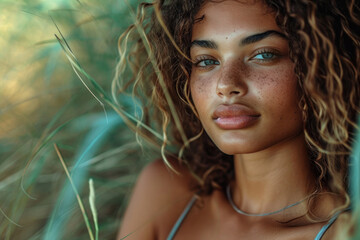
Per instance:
x=203, y=59
x=275, y=55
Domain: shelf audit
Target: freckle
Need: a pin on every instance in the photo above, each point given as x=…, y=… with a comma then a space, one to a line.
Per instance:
x=201, y=85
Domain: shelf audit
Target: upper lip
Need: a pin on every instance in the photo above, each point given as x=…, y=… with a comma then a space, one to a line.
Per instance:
x=233, y=110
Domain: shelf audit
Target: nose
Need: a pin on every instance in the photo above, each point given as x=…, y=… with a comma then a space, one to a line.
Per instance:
x=231, y=81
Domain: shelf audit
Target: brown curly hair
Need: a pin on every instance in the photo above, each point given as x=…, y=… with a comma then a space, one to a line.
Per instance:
x=324, y=46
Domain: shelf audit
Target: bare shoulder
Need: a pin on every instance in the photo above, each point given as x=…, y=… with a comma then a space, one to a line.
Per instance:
x=157, y=200
x=340, y=228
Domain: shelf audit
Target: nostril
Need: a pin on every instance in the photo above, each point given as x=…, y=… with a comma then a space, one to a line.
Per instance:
x=228, y=93
x=228, y=88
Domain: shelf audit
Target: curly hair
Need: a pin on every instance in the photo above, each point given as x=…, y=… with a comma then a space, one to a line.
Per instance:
x=324, y=46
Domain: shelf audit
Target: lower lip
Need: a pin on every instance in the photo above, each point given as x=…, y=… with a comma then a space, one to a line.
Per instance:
x=238, y=122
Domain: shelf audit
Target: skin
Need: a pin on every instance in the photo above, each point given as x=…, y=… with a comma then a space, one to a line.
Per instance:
x=259, y=76
x=271, y=165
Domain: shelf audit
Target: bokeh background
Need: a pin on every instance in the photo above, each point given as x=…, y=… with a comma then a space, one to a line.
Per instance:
x=44, y=46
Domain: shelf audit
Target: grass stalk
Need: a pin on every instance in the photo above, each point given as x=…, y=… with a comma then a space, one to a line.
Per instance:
x=76, y=192
x=93, y=207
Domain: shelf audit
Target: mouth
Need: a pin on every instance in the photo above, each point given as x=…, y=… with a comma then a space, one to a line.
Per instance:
x=234, y=116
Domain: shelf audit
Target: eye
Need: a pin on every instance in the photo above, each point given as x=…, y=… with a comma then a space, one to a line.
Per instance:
x=206, y=62
x=265, y=56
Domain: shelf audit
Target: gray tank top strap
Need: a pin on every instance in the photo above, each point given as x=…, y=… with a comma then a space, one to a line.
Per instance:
x=181, y=218
x=194, y=198
x=328, y=225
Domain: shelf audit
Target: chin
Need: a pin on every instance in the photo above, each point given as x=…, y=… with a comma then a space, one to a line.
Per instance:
x=236, y=148
x=231, y=144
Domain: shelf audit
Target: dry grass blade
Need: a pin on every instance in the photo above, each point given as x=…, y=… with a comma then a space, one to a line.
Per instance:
x=39, y=146
x=93, y=207
x=75, y=66
x=3, y=213
x=126, y=116
x=76, y=193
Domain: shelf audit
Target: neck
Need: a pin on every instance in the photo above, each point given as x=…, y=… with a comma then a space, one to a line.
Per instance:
x=273, y=178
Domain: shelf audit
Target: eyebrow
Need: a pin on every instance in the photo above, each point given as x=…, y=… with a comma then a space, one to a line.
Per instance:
x=248, y=40
x=204, y=44
x=260, y=36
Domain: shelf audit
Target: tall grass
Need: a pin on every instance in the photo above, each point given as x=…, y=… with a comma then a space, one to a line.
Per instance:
x=57, y=62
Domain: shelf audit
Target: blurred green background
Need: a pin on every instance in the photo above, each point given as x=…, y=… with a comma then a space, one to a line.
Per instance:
x=43, y=102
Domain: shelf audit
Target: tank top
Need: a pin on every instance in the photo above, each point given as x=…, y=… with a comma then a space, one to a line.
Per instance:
x=193, y=200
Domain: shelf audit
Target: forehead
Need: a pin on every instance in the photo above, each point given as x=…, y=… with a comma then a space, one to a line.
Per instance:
x=231, y=16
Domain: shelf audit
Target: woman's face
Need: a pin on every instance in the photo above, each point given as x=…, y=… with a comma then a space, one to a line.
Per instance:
x=242, y=82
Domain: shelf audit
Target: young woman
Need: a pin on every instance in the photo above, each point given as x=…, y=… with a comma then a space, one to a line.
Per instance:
x=267, y=92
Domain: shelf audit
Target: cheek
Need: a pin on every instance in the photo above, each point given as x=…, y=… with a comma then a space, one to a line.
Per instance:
x=200, y=88
x=277, y=86
x=277, y=91
x=197, y=86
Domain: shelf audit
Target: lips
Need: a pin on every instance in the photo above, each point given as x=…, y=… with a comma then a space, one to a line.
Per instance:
x=234, y=116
